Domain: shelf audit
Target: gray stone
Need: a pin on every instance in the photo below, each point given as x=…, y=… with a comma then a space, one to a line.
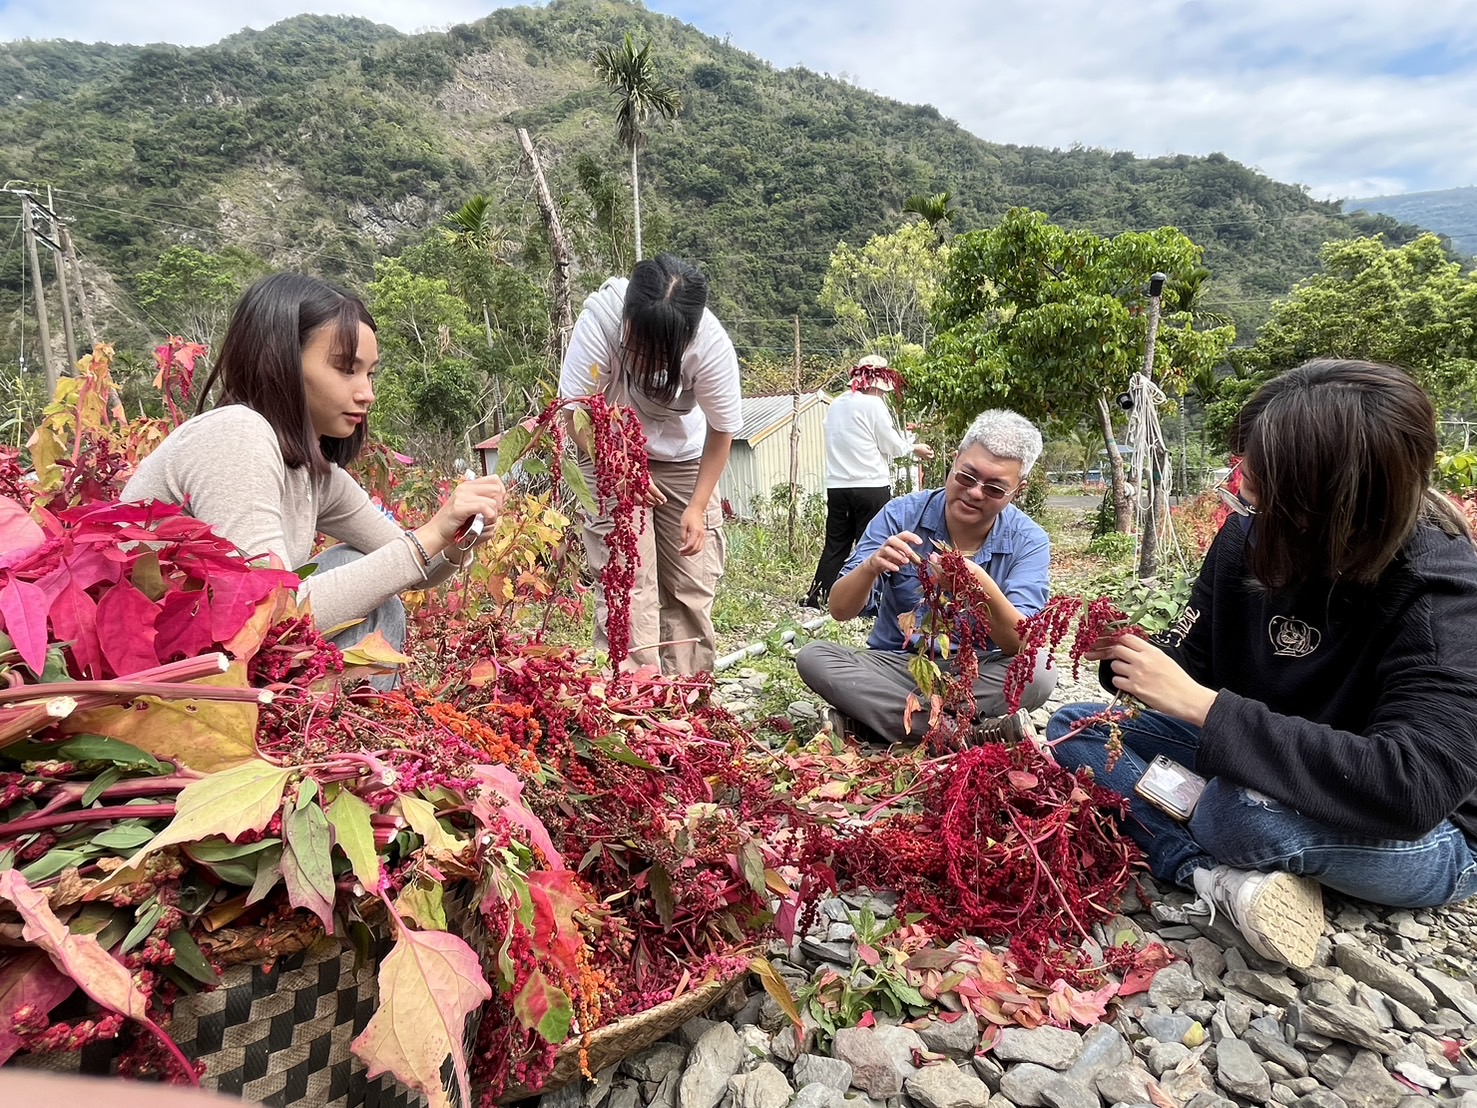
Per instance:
x=836, y=910
x=714, y=1059
x=1320, y=1098
x=881, y=1058
x=1166, y=1056
x=1066, y=1093
x=1457, y=994
x=1201, y=1011
x=840, y=933
x=882, y=904
x=819, y=1096
x=1366, y=1084
x=1329, y=1068
x=840, y=954
x=1239, y=1012
x=1052, y=1047
x=1210, y=1100
x=1026, y=1083
x=624, y=1096
x=790, y=1042
x=667, y=1092
x=1376, y=1004
x=958, y=1038
x=1276, y=1073
x=764, y=1087
x=1183, y=1083
x=597, y=1092
x=1103, y=1046
x=751, y=1011
x=1304, y=1085
x=988, y=1070
x=1395, y=983
x=566, y=1096
x=1282, y=1094
x=1325, y=992
x=756, y=1047
x=1348, y=1024
x=947, y=1086
x=1239, y=1072
x=1417, y=1074
x=813, y=1069
x=1205, y=955
x=1274, y=1048
x=655, y=1062
x=1263, y=986
x=693, y=1030
x=1167, y=1029
x=1174, y=985
x=1127, y=1083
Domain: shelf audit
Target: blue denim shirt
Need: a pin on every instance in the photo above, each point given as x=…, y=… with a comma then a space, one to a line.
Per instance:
x=1016, y=555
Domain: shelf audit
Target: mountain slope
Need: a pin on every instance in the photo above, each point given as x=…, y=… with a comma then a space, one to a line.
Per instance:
x=1450, y=212
x=324, y=142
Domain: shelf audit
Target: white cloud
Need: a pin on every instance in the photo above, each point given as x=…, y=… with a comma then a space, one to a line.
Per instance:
x=1345, y=96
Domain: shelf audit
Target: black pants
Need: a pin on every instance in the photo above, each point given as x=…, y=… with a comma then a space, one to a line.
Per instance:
x=848, y=511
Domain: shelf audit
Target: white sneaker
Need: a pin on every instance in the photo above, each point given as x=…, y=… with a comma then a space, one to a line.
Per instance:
x=1279, y=914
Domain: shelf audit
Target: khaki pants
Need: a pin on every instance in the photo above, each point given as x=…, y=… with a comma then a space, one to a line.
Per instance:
x=672, y=598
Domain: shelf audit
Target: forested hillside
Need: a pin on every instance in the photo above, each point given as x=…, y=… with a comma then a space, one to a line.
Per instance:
x=329, y=142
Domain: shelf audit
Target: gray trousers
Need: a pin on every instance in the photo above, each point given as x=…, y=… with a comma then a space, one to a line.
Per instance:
x=388, y=619
x=872, y=686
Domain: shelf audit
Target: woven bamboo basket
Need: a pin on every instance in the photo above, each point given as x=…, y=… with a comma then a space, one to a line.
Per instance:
x=621, y=1038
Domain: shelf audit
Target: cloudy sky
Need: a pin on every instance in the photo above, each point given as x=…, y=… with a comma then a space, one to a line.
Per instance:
x=1348, y=97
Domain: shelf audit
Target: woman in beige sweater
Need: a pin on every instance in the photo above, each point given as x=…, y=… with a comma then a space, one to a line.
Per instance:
x=263, y=467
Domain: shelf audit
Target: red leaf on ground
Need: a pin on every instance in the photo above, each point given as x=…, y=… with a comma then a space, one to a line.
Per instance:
x=867, y=1020
x=125, y=627
x=23, y=609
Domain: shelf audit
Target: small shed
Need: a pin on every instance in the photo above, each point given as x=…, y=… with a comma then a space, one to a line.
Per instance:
x=487, y=449
x=760, y=461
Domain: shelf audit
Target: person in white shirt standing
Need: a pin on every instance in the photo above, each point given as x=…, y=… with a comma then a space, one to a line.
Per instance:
x=651, y=344
x=862, y=443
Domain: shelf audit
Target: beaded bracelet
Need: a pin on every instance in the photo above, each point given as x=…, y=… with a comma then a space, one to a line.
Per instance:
x=421, y=550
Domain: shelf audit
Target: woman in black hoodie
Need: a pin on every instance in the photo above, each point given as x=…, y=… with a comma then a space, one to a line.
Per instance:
x=1323, y=677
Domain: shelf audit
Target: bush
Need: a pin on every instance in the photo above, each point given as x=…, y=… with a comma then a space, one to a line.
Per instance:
x=1032, y=497
x=1106, y=522
x=1113, y=545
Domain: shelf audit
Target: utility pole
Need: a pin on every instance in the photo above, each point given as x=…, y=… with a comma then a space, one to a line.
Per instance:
x=28, y=228
x=795, y=441
x=1159, y=468
x=89, y=331
x=61, y=281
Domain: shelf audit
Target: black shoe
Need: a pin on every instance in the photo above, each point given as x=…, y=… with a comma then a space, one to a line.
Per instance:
x=1010, y=730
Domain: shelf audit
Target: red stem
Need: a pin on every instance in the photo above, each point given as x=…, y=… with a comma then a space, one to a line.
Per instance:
x=41, y=821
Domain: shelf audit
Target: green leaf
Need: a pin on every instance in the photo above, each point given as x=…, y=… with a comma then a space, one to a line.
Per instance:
x=52, y=863
x=363, y=939
x=187, y=957
x=102, y=781
x=613, y=747
x=227, y=803
x=660, y=882
x=422, y=819
x=307, y=792
x=307, y=864
x=541, y=1007
x=424, y=902
x=147, y=921
x=125, y=836
x=354, y=835
x=513, y=445
x=97, y=748
x=574, y=478
x=235, y=863
x=268, y=873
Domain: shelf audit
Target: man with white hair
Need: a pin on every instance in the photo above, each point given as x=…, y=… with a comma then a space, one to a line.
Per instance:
x=861, y=442
x=1009, y=554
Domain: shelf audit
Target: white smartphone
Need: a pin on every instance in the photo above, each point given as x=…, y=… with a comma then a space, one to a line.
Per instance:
x=1170, y=787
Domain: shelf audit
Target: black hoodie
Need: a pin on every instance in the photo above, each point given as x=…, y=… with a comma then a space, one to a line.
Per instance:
x=1354, y=705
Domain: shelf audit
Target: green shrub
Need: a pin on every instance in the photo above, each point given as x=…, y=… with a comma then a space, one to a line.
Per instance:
x=1032, y=497
x=1113, y=545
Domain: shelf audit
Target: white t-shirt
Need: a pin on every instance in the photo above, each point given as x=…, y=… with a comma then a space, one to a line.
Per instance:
x=861, y=442
x=709, y=395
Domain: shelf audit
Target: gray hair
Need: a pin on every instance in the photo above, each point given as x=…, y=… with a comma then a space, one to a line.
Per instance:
x=1005, y=435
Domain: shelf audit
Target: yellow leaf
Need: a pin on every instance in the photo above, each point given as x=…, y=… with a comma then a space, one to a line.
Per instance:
x=228, y=803
x=422, y=819
x=203, y=735
x=373, y=650
x=776, y=987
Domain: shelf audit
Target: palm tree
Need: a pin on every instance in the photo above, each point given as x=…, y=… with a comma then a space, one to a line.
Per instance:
x=627, y=72
x=933, y=208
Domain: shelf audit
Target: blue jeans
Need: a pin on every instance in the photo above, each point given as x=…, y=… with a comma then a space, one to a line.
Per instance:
x=388, y=619
x=1238, y=827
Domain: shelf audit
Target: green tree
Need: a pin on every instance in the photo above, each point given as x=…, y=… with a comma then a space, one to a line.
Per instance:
x=600, y=219
x=1053, y=322
x=883, y=294
x=1407, y=305
x=935, y=209
x=429, y=391
x=191, y=293
x=628, y=73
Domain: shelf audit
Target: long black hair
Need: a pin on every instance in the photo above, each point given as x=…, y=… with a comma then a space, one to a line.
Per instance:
x=663, y=307
x=1339, y=456
x=261, y=361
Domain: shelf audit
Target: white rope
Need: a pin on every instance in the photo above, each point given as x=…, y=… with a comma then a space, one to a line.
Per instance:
x=1146, y=438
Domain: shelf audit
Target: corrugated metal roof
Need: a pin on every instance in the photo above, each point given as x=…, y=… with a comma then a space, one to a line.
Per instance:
x=761, y=413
